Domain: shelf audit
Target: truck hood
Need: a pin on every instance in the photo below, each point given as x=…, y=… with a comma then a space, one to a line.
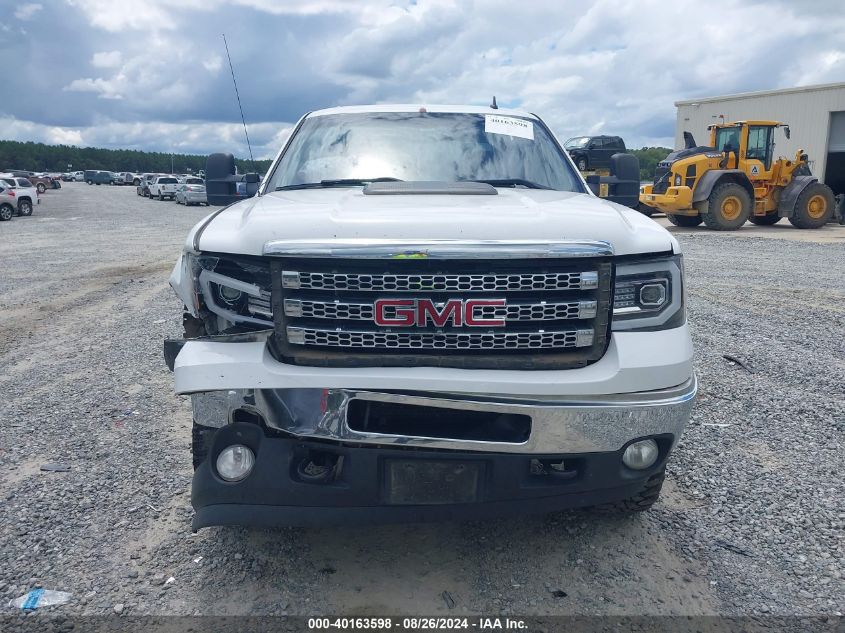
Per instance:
x=513, y=214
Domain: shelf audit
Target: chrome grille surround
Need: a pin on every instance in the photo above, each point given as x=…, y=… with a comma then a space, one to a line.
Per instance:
x=440, y=340
x=556, y=311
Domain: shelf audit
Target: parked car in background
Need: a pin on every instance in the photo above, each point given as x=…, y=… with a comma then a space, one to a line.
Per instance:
x=163, y=187
x=96, y=177
x=143, y=186
x=127, y=178
x=79, y=176
x=23, y=191
x=7, y=202
x=191, y=191
x=594, y=152
x=42, y=182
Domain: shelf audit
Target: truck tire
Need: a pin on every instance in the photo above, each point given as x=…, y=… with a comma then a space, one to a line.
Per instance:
x=684, y=220
x=6, y=212
x=814, y=207
x=641, y=501
x=25, y=207
x=728, y=207
x=765, y=220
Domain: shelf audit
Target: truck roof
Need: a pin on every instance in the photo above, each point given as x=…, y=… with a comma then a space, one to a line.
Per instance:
x=415, y=107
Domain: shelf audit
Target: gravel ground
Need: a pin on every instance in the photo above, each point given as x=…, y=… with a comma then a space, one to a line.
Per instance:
x=751, y=520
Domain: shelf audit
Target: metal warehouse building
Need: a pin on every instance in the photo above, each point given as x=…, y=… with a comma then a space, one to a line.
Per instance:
x=815, y=114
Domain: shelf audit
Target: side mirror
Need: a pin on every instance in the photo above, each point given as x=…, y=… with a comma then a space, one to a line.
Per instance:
x=786, y=131
x=251, y=178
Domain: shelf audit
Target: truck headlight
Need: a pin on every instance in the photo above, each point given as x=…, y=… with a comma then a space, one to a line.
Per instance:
x=649, y=294
x=235, y=288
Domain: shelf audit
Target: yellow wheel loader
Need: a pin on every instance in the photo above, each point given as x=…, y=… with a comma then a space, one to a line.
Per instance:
x=736, y=179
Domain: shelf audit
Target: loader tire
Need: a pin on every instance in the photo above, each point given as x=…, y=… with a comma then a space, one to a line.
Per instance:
x=765, y=220
x=814, y=207
x=684, y=220
x=728, y=207
x=640, y=502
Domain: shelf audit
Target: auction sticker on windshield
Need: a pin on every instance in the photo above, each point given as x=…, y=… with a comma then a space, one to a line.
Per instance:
x=495, y=124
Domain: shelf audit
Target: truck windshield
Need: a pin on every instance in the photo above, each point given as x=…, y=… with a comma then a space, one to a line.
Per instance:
x=579, y=141
x=353, y=149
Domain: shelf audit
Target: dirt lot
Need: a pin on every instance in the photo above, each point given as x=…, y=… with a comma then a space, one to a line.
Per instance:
x=751, y=520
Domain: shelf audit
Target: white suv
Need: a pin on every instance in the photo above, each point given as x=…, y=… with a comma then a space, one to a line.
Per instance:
x=425, y=313
x=22, y=191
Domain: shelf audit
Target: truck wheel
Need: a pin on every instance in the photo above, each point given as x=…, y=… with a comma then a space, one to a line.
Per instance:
x=765, y=220
x=582, y=164
x=25, y=207
x=728, y=207
x=814, y=207
x=641, y=501
x=684, y=220
x=6, y=212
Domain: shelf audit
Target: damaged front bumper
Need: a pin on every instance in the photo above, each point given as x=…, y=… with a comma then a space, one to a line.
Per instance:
x=340, y=454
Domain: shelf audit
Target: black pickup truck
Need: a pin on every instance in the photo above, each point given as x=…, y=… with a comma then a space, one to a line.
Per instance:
x=594, y=152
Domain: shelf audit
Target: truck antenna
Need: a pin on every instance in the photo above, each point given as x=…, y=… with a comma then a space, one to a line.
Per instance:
x=493, y=105
x=240, y=107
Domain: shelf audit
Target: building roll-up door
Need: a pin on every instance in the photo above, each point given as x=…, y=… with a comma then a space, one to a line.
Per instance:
x=836, y=141
x=834, y=175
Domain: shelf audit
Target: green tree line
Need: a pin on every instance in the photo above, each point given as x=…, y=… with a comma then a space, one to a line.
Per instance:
x=56, y=158
x=649, y=157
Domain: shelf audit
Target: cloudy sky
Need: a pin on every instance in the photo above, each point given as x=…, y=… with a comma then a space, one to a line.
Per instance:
x=152, y=74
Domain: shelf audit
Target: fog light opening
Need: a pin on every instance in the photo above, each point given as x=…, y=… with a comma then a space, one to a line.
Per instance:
x=235, y=462
x=641, y=455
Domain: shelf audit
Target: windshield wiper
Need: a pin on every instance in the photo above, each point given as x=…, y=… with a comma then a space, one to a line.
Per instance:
x=340, y=182
x=512, y=182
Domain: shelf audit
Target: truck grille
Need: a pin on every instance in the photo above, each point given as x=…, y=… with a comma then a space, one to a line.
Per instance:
x=440, y=340
x=342, y=310
x=427, y=283
x=546, y=313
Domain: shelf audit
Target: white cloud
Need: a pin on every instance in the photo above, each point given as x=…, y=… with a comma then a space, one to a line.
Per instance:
x=64, y=136
x=102, y=87
x=27, y=11
x=613, y=66
x=107, y=59
x=213, y=63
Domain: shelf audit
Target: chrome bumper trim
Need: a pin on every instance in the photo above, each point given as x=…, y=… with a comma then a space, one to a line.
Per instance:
x=583, y=425
x=437, y=249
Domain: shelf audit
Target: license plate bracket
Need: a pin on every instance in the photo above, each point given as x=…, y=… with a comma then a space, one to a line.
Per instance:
x=432, y=482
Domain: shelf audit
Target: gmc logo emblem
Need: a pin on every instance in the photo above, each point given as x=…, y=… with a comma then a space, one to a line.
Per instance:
x=421, y=312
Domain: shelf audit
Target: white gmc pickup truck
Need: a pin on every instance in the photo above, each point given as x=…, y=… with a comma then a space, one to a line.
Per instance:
x=425, y=314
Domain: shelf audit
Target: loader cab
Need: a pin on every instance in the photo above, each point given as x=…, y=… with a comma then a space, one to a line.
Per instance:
x=748, y=145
